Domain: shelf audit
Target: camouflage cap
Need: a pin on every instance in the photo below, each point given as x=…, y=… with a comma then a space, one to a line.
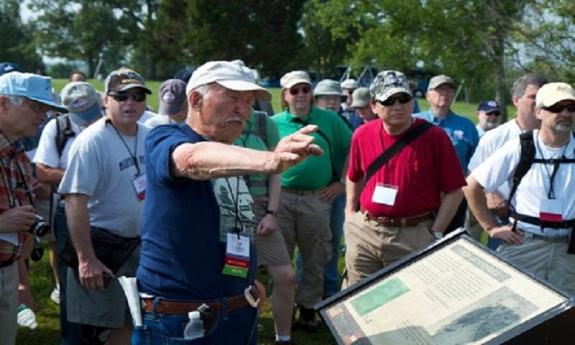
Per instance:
x=388, y=83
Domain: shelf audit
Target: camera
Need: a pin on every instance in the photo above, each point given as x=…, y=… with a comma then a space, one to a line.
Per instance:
x=40, y=227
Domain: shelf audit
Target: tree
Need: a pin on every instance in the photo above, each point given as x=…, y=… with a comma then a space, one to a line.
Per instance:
x=88, y=30
x=16, y=44
x=468, y=39
x=162, y=42
x=261, y=33
x=547, y=39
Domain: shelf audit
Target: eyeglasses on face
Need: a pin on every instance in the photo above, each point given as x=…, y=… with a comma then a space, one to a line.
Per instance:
x=123, y=96
x=296, y=90
x=39, y=108
x=558, y=107
x=403, y=99
x=493, y=113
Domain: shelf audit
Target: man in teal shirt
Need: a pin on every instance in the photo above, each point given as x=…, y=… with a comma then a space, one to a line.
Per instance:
x=462, y=132
x=309, y=188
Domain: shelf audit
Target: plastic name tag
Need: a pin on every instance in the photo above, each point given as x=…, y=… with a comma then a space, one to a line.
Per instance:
x=237, y=260
x=551, y=210
x=139, y=183
x=384, y=194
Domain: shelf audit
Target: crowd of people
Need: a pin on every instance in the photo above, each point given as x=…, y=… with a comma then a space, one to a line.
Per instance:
x=194, y=200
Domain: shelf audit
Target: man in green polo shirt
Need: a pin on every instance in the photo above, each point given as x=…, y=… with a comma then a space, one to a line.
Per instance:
x=309, y=188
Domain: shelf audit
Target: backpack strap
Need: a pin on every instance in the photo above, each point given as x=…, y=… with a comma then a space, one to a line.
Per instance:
x=386, y=155
x=63, y=132
x=525, y=161
x=262, y=126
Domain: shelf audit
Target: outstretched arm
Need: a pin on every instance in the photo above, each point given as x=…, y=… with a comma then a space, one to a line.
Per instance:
x=208, y=160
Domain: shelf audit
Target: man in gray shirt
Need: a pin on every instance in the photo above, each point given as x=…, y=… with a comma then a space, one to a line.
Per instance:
x=104, y=189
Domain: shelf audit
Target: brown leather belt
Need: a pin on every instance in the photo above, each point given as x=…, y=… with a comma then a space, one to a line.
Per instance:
x=249, y=297
x=401, y=222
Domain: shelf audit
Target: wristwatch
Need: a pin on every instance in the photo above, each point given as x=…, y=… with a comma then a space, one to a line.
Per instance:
x=272, y=212
x=436, y=234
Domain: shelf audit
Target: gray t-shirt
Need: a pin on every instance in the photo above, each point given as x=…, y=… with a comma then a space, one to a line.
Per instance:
x=101, y=166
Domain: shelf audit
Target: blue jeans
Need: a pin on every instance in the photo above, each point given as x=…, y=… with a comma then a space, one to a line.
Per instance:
x=331, y=276
x=238, y=327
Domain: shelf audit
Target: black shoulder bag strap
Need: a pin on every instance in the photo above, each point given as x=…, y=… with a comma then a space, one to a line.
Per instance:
x=386, y=155
x=525, y=161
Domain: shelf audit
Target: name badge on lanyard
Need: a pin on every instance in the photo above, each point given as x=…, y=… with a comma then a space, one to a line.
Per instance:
x=139, y=183
x=237, y=260
x=551, y=210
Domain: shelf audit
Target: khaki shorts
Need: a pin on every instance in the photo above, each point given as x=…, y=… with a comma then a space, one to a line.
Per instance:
x=271, y=248
x=107, y=308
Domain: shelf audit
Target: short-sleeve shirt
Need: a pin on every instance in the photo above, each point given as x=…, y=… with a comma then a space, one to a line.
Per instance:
x=499, y=168
x=491, y=142
x=102, y=165
x=252, y=138
x=183, y=240
x=460, y=130
x=316, y=171
x=421, y=171
x=47, y=151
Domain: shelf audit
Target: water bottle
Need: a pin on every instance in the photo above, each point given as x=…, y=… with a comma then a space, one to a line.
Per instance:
x=195, y=327
x=26, y=317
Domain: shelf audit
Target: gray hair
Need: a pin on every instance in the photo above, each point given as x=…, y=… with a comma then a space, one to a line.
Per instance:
x=202, y=89
x=519, y=86
x=16, y=100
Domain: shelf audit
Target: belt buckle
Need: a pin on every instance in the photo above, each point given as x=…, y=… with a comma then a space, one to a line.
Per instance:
x=250, y=297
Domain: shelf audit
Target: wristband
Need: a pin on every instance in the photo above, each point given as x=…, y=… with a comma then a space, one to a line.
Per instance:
x=272, y=212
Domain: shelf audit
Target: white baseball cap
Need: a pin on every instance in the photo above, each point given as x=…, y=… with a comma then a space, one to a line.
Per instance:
x=552, y=93
x=233, y=75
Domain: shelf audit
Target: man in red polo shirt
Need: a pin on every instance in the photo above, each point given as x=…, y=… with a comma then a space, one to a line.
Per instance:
x=409, y=201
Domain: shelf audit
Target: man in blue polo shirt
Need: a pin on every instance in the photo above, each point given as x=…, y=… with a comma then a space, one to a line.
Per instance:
x=462, y=132
x=197, y=250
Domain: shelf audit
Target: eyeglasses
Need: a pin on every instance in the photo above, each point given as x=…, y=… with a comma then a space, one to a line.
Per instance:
x=403, y=99
x=494, y=113
x=40, y=108
x=296, y=90
x=558, y=107
x=123, y=96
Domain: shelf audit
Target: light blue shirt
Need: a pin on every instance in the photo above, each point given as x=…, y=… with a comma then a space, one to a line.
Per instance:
x=460, y=130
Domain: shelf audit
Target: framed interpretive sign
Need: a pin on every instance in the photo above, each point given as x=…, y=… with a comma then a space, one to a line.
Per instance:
x=453, y=292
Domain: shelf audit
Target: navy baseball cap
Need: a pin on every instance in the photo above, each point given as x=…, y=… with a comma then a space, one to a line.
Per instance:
x=489, y=106
x=6, y=67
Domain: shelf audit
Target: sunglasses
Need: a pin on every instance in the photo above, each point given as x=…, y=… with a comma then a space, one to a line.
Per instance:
x=495, y=113
x=558, y=107
x=403, y=99
x=123, y=96
x=296, y=90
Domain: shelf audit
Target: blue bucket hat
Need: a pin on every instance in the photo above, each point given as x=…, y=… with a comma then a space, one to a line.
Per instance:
x=31, y=86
